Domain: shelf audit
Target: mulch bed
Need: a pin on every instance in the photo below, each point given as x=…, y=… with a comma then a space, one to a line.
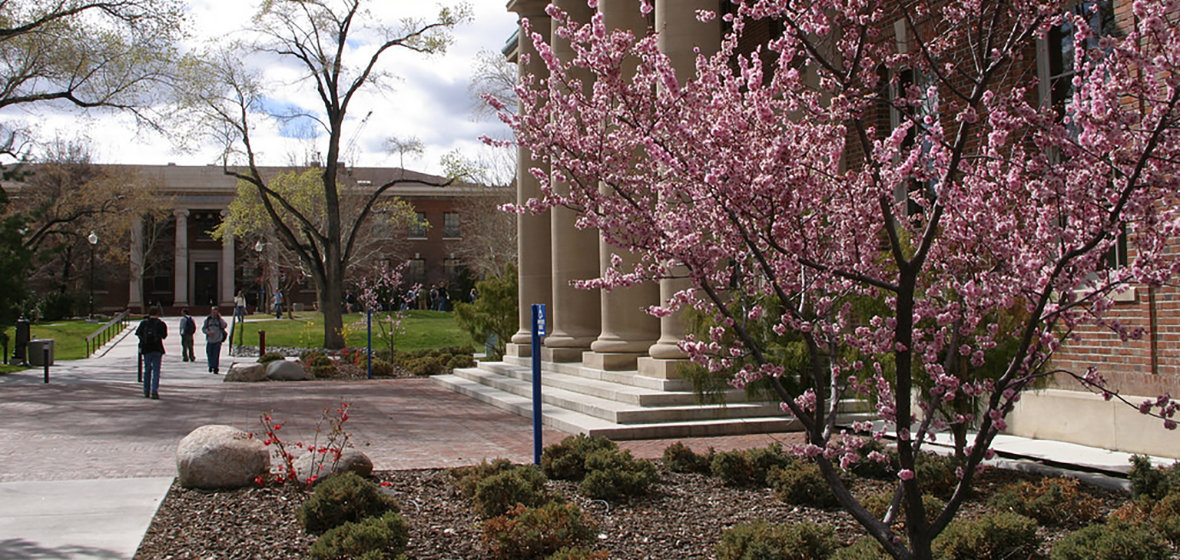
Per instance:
x=682, y=518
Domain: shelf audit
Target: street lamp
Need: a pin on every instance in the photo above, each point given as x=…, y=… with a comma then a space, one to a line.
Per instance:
x=259, y=247
x=92, y=239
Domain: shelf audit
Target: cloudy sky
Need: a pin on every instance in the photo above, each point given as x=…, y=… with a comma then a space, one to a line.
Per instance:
x=429, y=99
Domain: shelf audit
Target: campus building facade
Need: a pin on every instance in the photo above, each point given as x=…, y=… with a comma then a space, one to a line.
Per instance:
x=607, y=336
x=176, y=262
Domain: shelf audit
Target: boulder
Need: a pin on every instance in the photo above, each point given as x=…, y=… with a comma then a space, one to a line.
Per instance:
x=218, y=457
x=283, y=370
x=322, y=466
x=246, y=372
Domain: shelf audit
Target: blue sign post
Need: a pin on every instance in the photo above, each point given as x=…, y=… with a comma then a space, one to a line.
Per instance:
x=369, y=350
x=538, y=332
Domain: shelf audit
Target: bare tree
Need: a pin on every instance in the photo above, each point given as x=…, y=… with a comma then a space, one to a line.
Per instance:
x=321, y=38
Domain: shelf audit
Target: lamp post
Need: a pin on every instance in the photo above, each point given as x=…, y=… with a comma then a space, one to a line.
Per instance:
x=92, y=239
x=259, y=247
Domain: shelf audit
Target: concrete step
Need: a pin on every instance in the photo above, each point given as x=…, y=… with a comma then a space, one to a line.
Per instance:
x=627, y=405
x=625, y=393
x=576, y=422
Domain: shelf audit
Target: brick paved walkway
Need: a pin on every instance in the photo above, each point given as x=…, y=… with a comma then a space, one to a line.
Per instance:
x=91, y=420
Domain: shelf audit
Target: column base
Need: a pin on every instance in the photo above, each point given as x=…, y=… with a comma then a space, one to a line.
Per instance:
x=611, y=361
x=661, y=368
x=564, y=355
x=518, y=350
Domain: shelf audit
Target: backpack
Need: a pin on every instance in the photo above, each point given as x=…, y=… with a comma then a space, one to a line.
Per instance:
x=188, y=325
x=150, y=337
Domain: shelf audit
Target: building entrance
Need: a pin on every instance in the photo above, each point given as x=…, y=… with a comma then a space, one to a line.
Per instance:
x=205, y=283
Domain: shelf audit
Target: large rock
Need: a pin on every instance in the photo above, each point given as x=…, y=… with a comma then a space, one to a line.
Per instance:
x=283, y=370
x=322, y=466
x=246, y=372
x=217, y=457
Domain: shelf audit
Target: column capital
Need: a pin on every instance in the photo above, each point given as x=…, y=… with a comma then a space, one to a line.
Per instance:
x=528, y=8
x=180, y=212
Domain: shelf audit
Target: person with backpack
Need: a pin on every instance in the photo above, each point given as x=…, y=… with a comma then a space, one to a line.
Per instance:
x=188, y=327
x=214, y=329
x=151, y=332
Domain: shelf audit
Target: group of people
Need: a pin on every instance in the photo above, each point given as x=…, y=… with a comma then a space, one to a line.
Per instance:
x=152, y=331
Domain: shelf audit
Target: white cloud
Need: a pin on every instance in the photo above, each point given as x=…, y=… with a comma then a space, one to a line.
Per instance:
x=429, y=98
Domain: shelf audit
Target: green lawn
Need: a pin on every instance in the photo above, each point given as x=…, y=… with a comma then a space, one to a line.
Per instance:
x=423, y=330
x=69, y=339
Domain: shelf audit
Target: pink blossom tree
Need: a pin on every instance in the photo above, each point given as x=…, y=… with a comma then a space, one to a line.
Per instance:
x=841, y=164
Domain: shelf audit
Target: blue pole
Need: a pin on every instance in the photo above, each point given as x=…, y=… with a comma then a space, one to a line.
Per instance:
x=538, y=332
x=369, y=353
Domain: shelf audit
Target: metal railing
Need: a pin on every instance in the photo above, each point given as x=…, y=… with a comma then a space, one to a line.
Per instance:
x=105, y=333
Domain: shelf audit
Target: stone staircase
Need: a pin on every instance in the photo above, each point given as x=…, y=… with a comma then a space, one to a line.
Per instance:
x=619, y=405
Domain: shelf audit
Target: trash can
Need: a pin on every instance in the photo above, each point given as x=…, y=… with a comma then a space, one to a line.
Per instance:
x=37, y=350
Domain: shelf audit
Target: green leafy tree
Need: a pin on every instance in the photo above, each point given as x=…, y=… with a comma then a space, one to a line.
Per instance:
x=338, y=47
x=494, y=311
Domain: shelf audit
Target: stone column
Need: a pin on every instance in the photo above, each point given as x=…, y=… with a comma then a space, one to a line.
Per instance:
x=135, y=296
x=680, y=34
x=627, y=331
x=180, y=259
x=227, y=266
x=532, y=232
x=574, y=317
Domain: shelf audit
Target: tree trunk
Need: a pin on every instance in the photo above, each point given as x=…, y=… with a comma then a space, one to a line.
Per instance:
x=331, y=294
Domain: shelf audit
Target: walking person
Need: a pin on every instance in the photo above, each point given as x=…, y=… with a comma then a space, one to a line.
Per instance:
x=188, y=327
x=278, y=304
x=151, y=332
x=214, y=329
x=240, y=307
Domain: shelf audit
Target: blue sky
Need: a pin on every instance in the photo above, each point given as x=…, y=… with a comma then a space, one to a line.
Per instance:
x=428, y=99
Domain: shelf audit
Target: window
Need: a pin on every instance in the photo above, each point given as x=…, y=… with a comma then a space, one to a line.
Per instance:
x=1055, y=56
x=416, y=271
x=451, y=224
x=452, y=267
x=912, y=102
x=419, y=225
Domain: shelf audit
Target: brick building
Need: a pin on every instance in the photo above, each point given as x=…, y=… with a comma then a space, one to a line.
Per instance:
x=186, y=266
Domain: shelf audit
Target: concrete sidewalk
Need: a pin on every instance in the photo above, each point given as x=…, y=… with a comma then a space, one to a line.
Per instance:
x=87, y=460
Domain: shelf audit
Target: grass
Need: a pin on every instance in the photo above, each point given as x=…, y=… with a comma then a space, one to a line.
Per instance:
x=69, y=339
x=423, y=330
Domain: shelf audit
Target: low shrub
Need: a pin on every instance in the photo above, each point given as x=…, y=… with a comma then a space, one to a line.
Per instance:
x=579, y=553
x=996, y=536
x=936, y=474
x=681, y=458
x=502, y=491
x=749, y=467
x=341, y=499
x=325, y=372
x=567, y=460
x=876, y=470
x=864, y=548
x=372, y=538
x=878, y=504
x=468, y=478
x=614, y=475
x=528, y=533
x=460, y=361
x=1151, y=481
x=801, y=484
x=382, y=368
x=425, y=367
x=760, y=540
x=1165, y=517
x=1054, y=501
x=314, y=358
x=1113, y=540
x=1134, y=511
x=270, y=357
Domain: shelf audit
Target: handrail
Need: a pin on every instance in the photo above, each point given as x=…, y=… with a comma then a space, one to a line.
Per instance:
x=106, y=332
